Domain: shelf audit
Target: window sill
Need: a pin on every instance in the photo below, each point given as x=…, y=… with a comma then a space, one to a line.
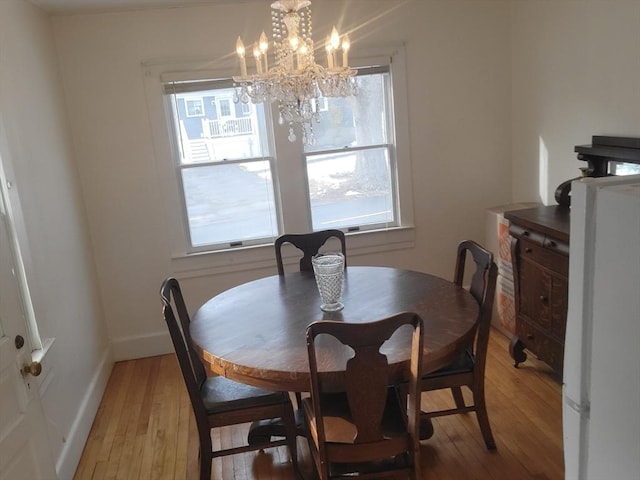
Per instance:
x=263, y=257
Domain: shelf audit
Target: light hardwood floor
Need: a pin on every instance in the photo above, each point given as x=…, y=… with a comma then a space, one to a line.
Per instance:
x=144, y=429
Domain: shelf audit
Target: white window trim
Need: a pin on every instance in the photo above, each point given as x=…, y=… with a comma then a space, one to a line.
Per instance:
x=187, y=264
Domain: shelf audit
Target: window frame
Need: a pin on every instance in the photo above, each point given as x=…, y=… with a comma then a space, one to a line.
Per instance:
x=169, y=89
x=188, y=263
x=389, y=147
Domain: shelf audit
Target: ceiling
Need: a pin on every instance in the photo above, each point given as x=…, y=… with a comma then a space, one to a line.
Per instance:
x=67, y=7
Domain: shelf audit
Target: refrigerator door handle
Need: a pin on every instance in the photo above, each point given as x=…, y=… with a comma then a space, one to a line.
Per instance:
x=582, y=409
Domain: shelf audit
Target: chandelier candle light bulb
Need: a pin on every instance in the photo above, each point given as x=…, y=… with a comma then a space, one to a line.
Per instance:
x=295, y=81
x=264, y=46
x=346, y=44
x=335, y=44
x=241, y=52
x=329, y=49
x=257, y=55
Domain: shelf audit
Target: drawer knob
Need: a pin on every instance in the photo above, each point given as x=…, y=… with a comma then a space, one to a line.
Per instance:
x=528, y=250
x=530, y=336
x=526, y=233
x=543, y=299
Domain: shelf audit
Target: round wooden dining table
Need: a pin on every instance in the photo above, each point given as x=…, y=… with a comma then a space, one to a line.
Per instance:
x=255, y=333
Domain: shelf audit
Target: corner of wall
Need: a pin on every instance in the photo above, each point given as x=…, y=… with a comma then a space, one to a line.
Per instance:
x=142, y=346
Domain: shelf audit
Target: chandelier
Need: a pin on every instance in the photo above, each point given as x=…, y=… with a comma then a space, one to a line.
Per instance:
x=294, y=80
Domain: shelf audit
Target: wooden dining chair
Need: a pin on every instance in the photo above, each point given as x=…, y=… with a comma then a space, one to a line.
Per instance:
x=364, y=428
x=218, y=401
x=467, y=370
x=309, y=244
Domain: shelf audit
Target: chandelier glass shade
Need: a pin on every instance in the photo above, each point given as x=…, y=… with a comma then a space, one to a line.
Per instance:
x=293, y=79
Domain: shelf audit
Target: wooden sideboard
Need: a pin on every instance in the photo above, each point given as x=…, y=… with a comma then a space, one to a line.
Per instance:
x=540, y=257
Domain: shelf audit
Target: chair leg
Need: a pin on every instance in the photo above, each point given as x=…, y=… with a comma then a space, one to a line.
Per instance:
x=205, y=466
x=483, y=420
x=324, y=471
x=457, y=396
x=417, y=467
x=320, y=469
x=205, y=454
x=289, y=421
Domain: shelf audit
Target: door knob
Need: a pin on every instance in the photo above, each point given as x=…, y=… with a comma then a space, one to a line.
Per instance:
x=34, y=368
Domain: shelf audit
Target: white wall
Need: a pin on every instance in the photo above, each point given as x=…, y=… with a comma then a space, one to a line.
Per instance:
x=576, y=73
x=55, y=240
x=458, y=63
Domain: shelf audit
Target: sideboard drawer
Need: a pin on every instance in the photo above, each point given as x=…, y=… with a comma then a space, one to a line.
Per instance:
x=538, y=253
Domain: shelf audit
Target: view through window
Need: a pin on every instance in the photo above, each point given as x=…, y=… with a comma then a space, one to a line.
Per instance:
x=351, y=166
x=230, y=163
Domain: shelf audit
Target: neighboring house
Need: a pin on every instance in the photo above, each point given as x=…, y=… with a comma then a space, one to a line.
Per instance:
x=209, y=121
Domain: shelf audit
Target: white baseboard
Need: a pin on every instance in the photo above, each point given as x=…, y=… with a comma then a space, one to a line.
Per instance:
x=69, y=458
x=142, y=346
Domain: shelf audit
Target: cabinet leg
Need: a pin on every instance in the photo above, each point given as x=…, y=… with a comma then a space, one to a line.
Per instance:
x=516, y=350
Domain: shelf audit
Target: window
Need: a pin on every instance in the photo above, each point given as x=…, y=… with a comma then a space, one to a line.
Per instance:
x=624, y=168
x=225, y=108
x=193, y=107
x=225, y=169
x=322, y=105
x=238, y=181
x=350, y=168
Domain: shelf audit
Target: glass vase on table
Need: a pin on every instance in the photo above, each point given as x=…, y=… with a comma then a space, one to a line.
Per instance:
x=328, y=269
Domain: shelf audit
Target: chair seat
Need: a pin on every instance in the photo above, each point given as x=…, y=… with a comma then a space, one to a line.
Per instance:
x=220, y=394
x=463, y=363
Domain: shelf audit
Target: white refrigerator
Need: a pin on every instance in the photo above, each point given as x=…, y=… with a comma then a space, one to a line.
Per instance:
x=601, y=384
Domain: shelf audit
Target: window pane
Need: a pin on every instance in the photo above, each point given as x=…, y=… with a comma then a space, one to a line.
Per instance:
x=210, y=127
x=623, y=168
x=350, y=189
x=354, y=121
x=228, y=203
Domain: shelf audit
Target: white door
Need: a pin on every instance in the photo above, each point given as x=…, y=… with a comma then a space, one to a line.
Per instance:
x=24, y=447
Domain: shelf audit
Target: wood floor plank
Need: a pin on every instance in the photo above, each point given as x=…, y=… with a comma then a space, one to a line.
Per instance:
x=144, y=429
x=116, y=404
